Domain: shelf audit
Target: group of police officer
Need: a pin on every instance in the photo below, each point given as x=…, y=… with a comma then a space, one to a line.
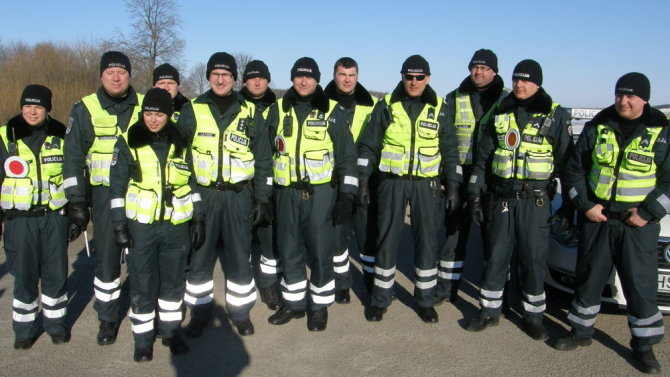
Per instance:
x=173, y=185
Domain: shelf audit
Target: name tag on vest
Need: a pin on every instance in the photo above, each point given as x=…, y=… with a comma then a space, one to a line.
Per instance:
x=51, y=159
x=639, y=158
x=533, y=139
x=180, y=166
x=112, y=137
x=239, y=140
x=316, y=123
x=206, y=134
x=428, y=125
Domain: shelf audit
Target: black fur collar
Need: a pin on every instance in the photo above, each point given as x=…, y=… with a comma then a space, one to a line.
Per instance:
x=361, y=95
x=651, y=117
x=179, y=101
x=140, y=136
x=428, y=96
x=492, y=91
x=319, y=100
x=268, y=98
x=17, y=128
x=539, y=103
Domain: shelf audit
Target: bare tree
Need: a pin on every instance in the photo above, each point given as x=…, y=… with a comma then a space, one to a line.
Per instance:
x=195, y=82
x=242, y=60
x=154, y=37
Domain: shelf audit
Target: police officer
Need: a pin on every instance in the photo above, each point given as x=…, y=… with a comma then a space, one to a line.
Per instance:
x=522, y=147
x=95, y=123
x=166, y=77
x=468, y=108
x=408, y=140
x=256, y=78
x=618, y=178
x=36, y=230
x=152, y=203
x=357, y=104
x=230, y=151
x=314, y=172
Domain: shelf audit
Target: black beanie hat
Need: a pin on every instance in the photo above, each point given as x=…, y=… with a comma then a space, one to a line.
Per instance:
x=158, y=99
x=38, y=95
x=485, y=57
x=528, y=70
x=306, y=67
x=256, y=68
x=634, y=83
x=222, y=60
x=114, y=59
x=165, y=72
x=415, y=64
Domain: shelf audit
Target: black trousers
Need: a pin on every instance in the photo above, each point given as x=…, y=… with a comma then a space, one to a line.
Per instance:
x=156, y=266
x=306, y=238
x=107, y=282
x=520, y=224
x=633, y=252
x=427, y=215
x=36, y=250
x=226, y=217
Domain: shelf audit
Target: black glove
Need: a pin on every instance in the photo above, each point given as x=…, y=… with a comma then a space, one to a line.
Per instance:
x=123, y=238
x=344, y=208
x=73, y=232
x=363, y=197
x=78, y=214
x=476, y=210
x=453, y=200
x=197, y=233
x=260, y=212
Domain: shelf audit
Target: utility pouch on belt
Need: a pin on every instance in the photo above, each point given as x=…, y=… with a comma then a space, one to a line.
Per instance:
x=552, y=188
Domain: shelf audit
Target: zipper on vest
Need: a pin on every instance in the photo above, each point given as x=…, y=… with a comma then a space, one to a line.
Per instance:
x=616, y=171
x=39, y=176
x=411, y=145
x=297, y=149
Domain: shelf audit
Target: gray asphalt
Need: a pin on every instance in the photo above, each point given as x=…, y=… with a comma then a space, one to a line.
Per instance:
x=400, y=345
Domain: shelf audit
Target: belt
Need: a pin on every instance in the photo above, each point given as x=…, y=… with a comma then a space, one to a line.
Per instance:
x=227, y=186
x=408, y=177
x=36, y=212
x=523, y=194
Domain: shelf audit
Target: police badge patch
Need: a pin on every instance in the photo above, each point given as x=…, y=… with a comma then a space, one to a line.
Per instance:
x=69, y=125
x=115, y=156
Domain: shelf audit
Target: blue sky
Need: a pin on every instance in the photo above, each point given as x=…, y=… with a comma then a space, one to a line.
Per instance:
x=583, y=46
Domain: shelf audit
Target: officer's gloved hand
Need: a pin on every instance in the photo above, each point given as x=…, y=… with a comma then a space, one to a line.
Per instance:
x=197, y=233
x=476, y=210
x=260, y=212
x=78, y=214
x=453, y=200
x=344, y=208
x=123, y=238
x=73, y=232
x=363, y=197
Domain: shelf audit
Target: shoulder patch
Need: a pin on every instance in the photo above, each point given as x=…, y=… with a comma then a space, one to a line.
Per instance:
x=69, y=125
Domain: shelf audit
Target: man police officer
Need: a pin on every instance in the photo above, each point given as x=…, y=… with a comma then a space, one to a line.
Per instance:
x=619, y=177
x=95, y=123
x=408, y=140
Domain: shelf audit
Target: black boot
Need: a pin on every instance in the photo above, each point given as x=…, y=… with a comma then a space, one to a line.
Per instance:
x=24, y=344
x=269, y=297
x=284, y=314
x=317, y=320
x=60, y=338
x=535, y=330
x=428, y=315
x=244, y=327
x=176, y=344
x=647, y=362
x=194, y=328
x=143, y=354
x=342, y=296
x=571, y=342
x=480, y=323
x=374, y=314
x=106, y=333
